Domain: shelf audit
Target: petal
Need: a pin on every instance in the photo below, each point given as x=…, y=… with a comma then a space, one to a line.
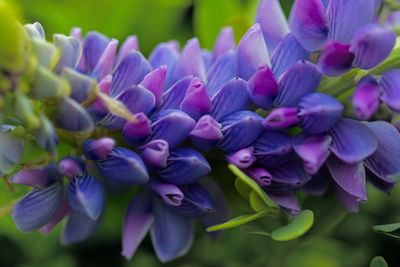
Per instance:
x=251, y=52
x=123, y=166
x=263, y=87
x=336, y=59
x=225, y=42
x=365, y=99
x=98, y=149
x=37, y=207
x=46, y=136
x=260, y=175
x=313, y=150
x=60, y=214
x=71, y=167
x=72, y=117
x=86, y=196
x=352, y=141
x=207, y=58
x=272, y=148
x=197, y=201
x=71, y=51
x=106, y=61
x=99, y=109
x=137, y=131
x=78, y=228
x=165, y=54
x=220, y=72
x=288, y=52
x=155, y=153
x=286, y=200
x=243, y=158
x=196, y=102
x=131, y=71
x=348, y=201
x=386, y=185
x=77, y=33
x=191, y=61
x=309, y=24
x=184, y=166
x=164, y=126
x=273, y=22
x=232, y=97
x=11, y=150
x=350, y=177
x=240, y=129
x=174, y=95
x=130, y=44
x=206, y=133
x=93, y=48
x=372, y=44
x=169, y=193
x=346, y=17
x=154, y=82
x=385, y=162
x=299, y=80
x=82, y=87
x=36, y=178
x=171, y=234
x=137, y=223
x=35, y=30
x=281, y=118
x=291, y=174
x=319, y=112
x=390, y=82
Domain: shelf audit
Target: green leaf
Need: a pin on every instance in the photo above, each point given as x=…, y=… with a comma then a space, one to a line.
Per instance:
x=378, y=261
x=247, y=181
x=243, y=189
x=296, y=228
x=237, y=221
x=256, y=203
x=392, y=230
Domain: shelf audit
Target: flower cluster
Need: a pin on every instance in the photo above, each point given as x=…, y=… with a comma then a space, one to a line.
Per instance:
x=137, y=121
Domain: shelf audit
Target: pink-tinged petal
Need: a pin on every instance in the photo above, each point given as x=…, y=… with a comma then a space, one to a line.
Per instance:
x=348, y=201
x=281, y=118
x=288, y=52
x=251, y=52
x=309, y=24
x=336, y=59
x=36, y=178
x=273, y=22
x=106, y=62
x=173, y=96
x=299, y=80
x=371, y=45
x=220, y=72
x=225, y=42
x=78, y=228
x=154, y=82
x=263, y=87
x=353, y=141
x=313, y=150
x=130, y=44
x=260, y=175
x=93, y=48
x=71, y=167
x=191, y=61
x=171, y=234
x=137, y=131
x=390, y=83
x=350, y=177
x=155, y=153
x=206, y=133
x=346, y=17
x=98, y=149
x=385, y=162
x=63, y=210
x=243, y=158
x=286, y=200
x=319, y=112
x=99, y=109
x=169, y=193
x=366, y=97
x=137, y=223
x=196, y=102
x=232, y=97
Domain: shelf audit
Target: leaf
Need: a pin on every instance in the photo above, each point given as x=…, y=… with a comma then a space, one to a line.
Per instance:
x=378, y=261
x=298, y=227
x=247, y=181
x=256, y=203
x=392, y=229
x=242, y=188
x=237, y=221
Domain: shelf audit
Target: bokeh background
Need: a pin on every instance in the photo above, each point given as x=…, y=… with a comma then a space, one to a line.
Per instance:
x=338, y=239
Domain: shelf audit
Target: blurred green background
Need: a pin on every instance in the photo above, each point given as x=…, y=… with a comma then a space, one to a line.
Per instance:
x=343, y=240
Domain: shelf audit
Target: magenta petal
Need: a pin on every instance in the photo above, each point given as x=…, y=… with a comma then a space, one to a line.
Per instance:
x=36, y=178
x=98, y=149
x=352, y=141
x=313, y=149
x=281, y=118
x=263, y=87
x=137, y=131
x=350, y=177
x=169, y=193
x=224, y=43
x=260, y=175
x=106, y=62
x=71, y=167
x=309, y=24
x=391, y=94
x=154, y=82
x=130, y=43
x=206, y=133
x=137, y=223
x=196, y=102
x=191, y=61
x=366, y=97
x=155, y=153
x=251, y=52
x=372, y=44
x=243, y=158
x=336, y=59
